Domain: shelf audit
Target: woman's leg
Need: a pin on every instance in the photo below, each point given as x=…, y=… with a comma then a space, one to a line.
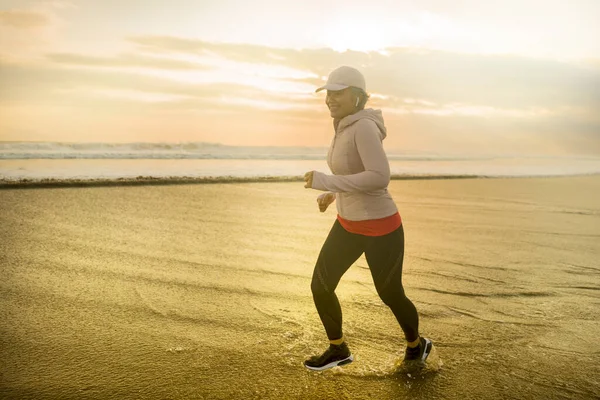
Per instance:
x=340, y=250
x=385, y=255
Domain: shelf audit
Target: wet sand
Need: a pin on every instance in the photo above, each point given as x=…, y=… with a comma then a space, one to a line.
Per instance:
x=203, y=291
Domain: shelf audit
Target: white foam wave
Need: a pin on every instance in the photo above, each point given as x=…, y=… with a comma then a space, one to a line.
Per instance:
x=182, y=151
x=144, y=150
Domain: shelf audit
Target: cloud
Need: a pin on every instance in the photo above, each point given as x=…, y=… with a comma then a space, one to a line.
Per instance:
x=431, y=99
x=23, y=19
x=28, y=32
x=438, y=76
x=52, y=84
x=124, y=60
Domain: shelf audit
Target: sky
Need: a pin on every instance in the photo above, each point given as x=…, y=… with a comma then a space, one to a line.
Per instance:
x=461, y=77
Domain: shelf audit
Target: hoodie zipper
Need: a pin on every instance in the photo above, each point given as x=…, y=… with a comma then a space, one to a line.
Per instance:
x=336, y=132
x=330, y=157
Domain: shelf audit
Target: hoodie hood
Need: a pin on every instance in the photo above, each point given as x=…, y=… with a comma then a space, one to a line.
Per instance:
x=369, y=113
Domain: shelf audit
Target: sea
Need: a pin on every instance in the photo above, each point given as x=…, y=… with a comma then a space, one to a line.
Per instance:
x=67, y=161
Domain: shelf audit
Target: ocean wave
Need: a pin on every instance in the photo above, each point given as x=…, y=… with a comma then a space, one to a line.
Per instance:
x=159, y=156
x=146, y=150
x=140, y=180
x=185, y=150
x=75, y=146
x=179, y=180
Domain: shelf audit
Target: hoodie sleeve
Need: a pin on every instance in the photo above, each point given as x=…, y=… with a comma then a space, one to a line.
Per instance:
x=376, y=175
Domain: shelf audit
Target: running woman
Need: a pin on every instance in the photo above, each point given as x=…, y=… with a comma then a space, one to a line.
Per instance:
x=367, y=222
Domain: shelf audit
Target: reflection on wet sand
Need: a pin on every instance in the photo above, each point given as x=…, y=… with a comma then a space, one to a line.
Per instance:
x=203, y=291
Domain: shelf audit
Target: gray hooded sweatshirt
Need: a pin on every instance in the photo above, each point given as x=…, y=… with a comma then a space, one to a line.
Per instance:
x=361, y=172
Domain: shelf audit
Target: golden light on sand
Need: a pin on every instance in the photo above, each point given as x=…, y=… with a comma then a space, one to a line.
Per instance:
x=141, y=291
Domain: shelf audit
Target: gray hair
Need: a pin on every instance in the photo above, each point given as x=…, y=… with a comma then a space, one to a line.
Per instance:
x=362, y=95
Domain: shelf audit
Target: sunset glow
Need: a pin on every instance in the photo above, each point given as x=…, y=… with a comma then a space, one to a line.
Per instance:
x=469, y=68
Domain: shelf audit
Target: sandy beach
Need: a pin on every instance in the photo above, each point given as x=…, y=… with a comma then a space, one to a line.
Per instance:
x=202, y=291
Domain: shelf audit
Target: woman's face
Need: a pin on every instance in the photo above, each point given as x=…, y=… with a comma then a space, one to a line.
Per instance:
x=341, y=103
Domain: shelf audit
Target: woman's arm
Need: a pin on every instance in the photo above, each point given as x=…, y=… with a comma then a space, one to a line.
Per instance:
x=377, y=169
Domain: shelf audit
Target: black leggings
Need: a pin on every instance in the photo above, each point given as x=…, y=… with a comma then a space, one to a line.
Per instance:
x=384, y=256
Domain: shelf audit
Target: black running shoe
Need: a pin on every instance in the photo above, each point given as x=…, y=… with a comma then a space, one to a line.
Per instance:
x=419, y=353
x=332, y=357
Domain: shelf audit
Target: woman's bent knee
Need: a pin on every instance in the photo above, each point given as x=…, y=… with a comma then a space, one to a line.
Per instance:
x=318, y=288
x=392, y=295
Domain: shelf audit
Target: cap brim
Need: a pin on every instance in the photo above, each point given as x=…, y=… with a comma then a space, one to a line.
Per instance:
x=332, y=86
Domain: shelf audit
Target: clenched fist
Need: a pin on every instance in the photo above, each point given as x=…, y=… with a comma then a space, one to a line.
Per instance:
x=308, y=178
x=324, y=200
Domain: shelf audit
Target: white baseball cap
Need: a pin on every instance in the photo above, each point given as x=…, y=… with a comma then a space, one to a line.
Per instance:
x=344, y=77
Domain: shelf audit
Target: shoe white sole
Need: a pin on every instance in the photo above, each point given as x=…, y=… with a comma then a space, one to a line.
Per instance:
x=428, y=344
x=332, y=364
x=428, y=347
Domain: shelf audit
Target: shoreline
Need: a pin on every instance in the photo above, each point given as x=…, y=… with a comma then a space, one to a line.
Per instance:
x=50, y=183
